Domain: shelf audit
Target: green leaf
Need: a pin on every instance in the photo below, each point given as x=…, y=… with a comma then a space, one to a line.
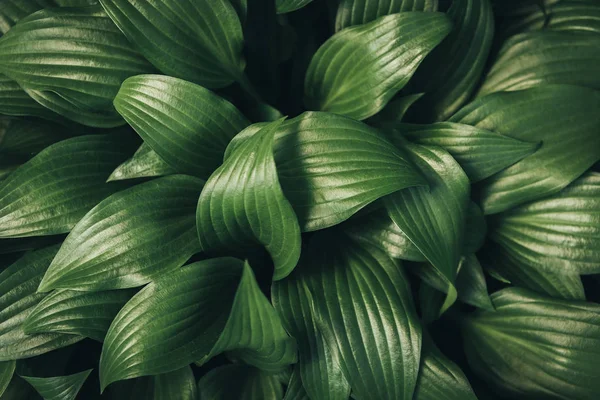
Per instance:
x=250, y=384
x=439, y=378
x=176, y=385
x=560, y=233
x=350, y=283
x=145, y=163
x=197, y=40
x=395, y=110
x=357, y=12
x=295, y=390
x=7, y=368
x=521, y=7
x=536, y=59
x=317, y=151
x=318, y=365
x=18, y=297
x=536, y=347
x=188, y=126
x=56, y=188
x=242, y=204
x=150, y=229
x=359, y=69
x=434, y=217
x=433, y=302
x=27, y=137
x=86, y=314
x=481, y=153
x=471, y=285
x=451, y=72
x=564, y=117
x=286, y=6
x=15, y=101
x=11, y=11
x=475, y=229
x=34, y=53
x=59, y=387
x=191, y=314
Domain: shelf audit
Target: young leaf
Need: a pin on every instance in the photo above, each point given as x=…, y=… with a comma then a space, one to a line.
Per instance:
x=536, y=59
x=536, y=347
x=86, y=314
x=250, y=384
x=59, y=387
x=560, y=233
x=34, y=53
x=18, y=297
x=471, y=285
x=357, y=12
x=188, y=126
x=439, y=378
x=434, y=217
x=359, y=69
x=197, y=40
x=150, y=229
x=479, y=152
x=317, y=151
x=451, y=72
x=544, y=114
x=242, y=203
x=352, y=282
x=7, y=368
x=286, y=6
x=192, y=314
x=145, y=163
x=51, y=192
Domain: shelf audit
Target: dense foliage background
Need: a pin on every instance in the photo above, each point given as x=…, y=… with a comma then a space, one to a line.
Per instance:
x=298, y=199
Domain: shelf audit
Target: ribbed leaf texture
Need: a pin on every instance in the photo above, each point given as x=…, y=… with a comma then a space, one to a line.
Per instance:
x=59, y=387
x=251, y=383
x=145, y=163
x=357, y=12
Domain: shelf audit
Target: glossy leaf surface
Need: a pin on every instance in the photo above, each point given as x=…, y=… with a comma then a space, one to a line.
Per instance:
x=59, y=387
x=145, y=163
x=357, y=12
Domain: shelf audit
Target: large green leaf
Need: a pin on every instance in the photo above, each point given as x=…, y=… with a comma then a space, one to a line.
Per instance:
x=479, y=152
x=452, y=71
x=150, y=229
x=536, y=347
x=564, y=118
x=250, y=384
x=286, y=6
x=434, y=217
x=86, y=314
x=7, y=368
x=359, y=69
x=18, y=297
x=357, y=12
x=176, y=385
x=535, y=59
x=560, y=233
x=331, y=166
x=192, y=314
x=439, y=378
x=145, y=163
x=55, y=189
x=242, y=203
x=197, y=40
x=11, y=11
x=350, y=283
x=59, y=387
x=188, y=126
x=15, y=101
x=35, y=51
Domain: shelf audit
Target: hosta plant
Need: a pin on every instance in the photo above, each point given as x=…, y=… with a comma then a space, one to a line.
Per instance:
x=299, y=199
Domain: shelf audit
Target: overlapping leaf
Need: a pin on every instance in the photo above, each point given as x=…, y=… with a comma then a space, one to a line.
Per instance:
x=471, y=285
x=520, y=7
x=295, y=390
x=11, y=11
x=536, y=347
x=18, y=297
x=286, y=6
x=357, y=12
x=24, y=138
x=564, y=118
x=176, y=385
x=475, y=229
x=242, y=203
x=359, y=69
x=191, y=314
x=200, y=41
x=150, y=229
x=250, y=384
x=35, y=51
x=15, y=101
x=188, y=126
x=7, y=368
x=479, y=152
x=535, y=59
x=452, y=71
x=86, y=314
x=51, y=192
x=59, y=387
x=350, y=283
x=145, y=163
